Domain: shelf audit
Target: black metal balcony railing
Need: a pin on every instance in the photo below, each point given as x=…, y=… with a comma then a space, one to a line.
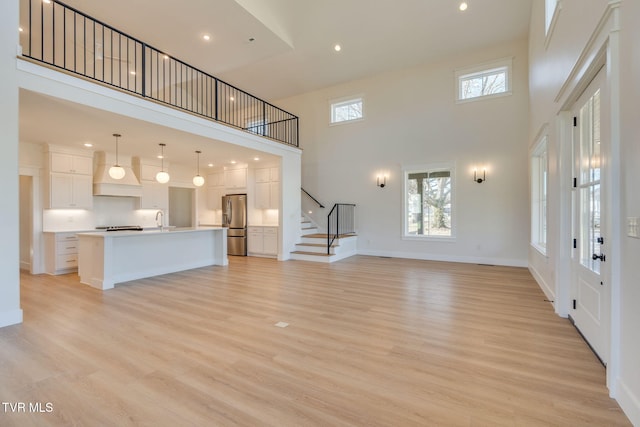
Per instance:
x=63, y=37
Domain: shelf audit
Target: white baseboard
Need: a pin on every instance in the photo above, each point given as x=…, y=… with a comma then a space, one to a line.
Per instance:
x=548, y=292
x=448, y=258
x=12, y=317
x=629, y=402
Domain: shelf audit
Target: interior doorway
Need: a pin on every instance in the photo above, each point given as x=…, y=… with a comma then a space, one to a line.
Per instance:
x=26, y=222
x=181, y=207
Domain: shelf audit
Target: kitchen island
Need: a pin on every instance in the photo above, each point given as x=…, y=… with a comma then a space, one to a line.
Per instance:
x=107, y=258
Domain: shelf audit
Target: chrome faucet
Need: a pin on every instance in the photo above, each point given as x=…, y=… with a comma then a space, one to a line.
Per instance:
x=160, y=215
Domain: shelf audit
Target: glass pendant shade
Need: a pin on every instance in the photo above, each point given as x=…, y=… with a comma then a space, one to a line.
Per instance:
x=162, y=177
x=116, y=172
x=198, y=180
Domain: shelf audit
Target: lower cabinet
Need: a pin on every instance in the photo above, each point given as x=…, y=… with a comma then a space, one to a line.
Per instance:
x=262, y=241
x=61, y=252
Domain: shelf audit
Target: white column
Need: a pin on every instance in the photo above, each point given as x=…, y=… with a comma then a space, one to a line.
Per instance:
x=10, y=312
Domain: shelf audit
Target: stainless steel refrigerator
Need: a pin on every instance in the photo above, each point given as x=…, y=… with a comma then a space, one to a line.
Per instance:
x=234, y=216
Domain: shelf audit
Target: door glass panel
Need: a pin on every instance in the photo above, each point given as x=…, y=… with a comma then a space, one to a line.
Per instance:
x=589, y=183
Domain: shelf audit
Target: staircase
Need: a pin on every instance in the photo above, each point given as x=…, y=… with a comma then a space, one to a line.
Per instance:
x=313, y=245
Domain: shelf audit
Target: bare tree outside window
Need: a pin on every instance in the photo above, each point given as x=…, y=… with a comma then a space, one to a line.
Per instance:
x=429, y=203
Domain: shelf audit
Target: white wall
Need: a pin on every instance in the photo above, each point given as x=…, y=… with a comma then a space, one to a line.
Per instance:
x=411, y=118
x=10, y=312
x=628, y=393
x=550, y=68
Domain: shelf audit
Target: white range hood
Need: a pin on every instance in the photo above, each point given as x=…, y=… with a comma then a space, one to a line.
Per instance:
x=104, y=185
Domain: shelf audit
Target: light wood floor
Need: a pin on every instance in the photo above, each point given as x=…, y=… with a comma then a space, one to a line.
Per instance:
x=370, y=342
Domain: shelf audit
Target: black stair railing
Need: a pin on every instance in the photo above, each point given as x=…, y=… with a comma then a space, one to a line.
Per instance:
x=63, y=37
x=340, y=222
x=320, y=205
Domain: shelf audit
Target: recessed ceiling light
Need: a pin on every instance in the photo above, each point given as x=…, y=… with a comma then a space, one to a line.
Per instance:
x=46, y=1
x=256, y=158
x=337, y=48
x=160, y=156
x=231, y=98
x=20, y=29
x=133, y=73
x=88, y=144
x=166, y=57
x=210, y=165
x=463, y=6
x=206, y=37
x=233, y=162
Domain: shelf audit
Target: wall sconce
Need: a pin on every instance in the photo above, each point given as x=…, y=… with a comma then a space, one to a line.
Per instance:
x=381, y=181
x=478, y=179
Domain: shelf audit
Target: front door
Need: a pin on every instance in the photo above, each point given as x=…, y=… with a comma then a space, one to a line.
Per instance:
x=590, y=288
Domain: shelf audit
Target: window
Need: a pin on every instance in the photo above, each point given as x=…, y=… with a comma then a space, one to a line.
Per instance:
x=549, y=12
x=539, y=179
x=347, y=110
x=428, y=202
x=484, y=81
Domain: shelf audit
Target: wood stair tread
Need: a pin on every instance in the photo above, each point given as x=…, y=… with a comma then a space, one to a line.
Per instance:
x=324, y=236
x=311, y=253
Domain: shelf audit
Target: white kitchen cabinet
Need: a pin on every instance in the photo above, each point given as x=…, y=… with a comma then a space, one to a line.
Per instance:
x=154, y=196
x=215, y=190
x=270, y=244
x=61, y=252
x=70, y=163
x=274, y=174
x=214, y=197
x=235, y=179
x=70, y=191
x=146, y=170
x=215, y=179
x=267, y=188
x=262, y=241
x=68, y=180
x=263, y=175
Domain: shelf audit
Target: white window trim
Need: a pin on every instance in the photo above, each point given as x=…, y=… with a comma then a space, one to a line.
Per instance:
x=431, y=167
x=549, y=26
x=483, y=68
x=541, y=147
x=345, y=100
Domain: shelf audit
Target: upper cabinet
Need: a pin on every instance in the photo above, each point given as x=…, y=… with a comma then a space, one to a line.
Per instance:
x=68, y=179
x=154, y=194
x=215, y=190
x=235, y=179
x=267, y=188
x=69, y=163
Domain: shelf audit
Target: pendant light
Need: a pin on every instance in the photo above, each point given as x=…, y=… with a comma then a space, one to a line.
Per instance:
x=116, y=171
x=198, y=180
x=162, y=177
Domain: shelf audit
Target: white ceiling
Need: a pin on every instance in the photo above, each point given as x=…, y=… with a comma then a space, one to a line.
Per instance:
x=292, y=52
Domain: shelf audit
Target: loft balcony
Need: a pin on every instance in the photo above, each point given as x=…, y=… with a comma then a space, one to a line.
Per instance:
x=59, y=36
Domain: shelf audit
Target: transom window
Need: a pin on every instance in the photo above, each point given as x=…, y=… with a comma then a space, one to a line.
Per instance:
x=428, y=203
x=549, y=11
x=347, y=110
x=484, y=81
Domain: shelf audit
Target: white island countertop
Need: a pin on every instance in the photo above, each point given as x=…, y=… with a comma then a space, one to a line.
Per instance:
x=109, y=257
